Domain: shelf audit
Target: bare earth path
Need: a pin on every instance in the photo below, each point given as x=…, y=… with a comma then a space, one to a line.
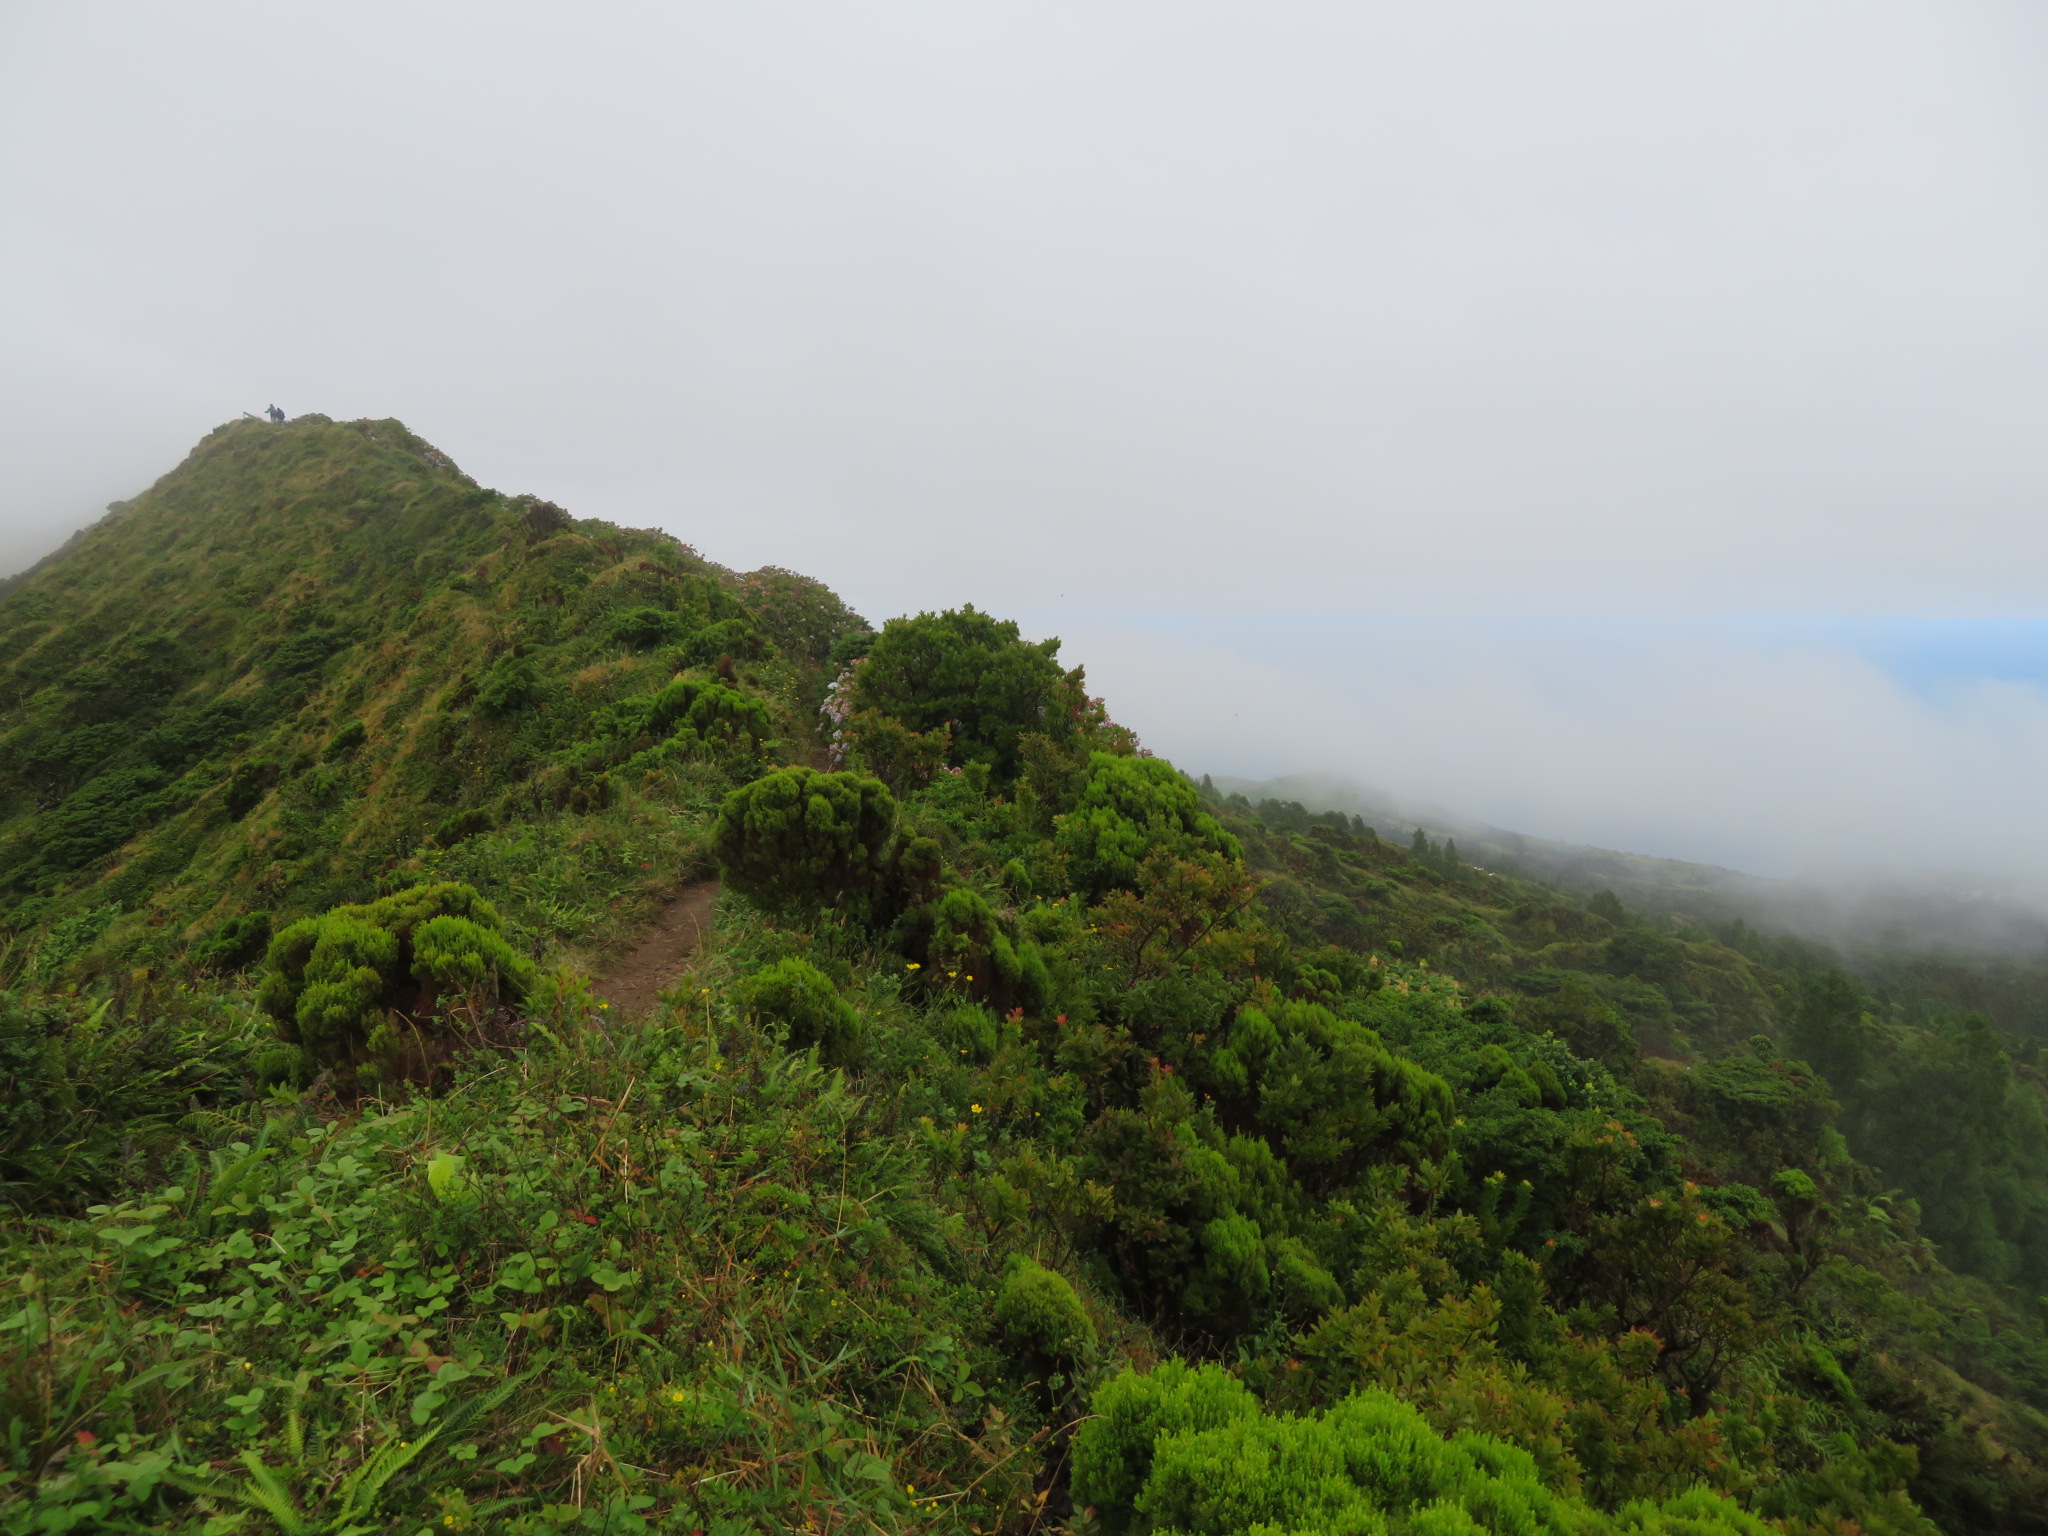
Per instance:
x=634, y=984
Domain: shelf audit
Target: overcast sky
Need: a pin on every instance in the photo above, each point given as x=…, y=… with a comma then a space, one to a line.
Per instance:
x=1624, y=420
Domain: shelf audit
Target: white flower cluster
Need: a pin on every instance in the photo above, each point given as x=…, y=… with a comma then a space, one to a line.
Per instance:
x=837, y=707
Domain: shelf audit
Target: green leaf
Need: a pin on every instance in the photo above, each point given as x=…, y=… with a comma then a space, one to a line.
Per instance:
x=445, y=1177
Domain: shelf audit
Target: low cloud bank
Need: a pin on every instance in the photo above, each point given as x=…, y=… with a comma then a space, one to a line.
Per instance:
x=1767, y=750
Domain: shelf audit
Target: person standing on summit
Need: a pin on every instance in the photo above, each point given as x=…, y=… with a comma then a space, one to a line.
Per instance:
x=275, y=414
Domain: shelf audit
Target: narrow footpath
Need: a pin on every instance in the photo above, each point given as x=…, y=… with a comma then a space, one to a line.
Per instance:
x=635, y=983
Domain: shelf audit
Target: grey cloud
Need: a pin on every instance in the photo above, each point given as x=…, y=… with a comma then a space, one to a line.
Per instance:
x=1764, y=752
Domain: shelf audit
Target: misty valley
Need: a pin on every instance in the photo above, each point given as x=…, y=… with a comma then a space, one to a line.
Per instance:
x=509, y=1025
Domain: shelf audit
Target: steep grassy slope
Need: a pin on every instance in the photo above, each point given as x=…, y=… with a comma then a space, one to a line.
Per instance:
x=311, y=651
x=1040, y=1142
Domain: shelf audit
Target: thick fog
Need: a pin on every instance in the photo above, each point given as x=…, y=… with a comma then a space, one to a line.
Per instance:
x=1621, y=422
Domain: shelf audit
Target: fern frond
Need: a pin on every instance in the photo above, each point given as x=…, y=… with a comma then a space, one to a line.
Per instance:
x=360, y=1488
x=269, y=1494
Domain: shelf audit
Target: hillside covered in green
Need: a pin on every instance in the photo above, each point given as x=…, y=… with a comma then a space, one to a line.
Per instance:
x=1042, y=1141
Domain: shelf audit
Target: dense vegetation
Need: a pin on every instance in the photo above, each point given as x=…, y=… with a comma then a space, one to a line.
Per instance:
x=1044, y=1141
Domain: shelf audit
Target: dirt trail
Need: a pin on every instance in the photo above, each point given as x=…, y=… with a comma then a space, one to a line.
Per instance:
x=635, y=982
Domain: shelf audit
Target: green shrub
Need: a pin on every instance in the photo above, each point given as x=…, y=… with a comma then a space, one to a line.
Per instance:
x=1281, y=1473
x=67, y=939
x=511, y=684
x=334, y=982
x=69, y=756
x=463, y=824
x=717, y=719
x=247, y=785
x=873, y=742
x=1190, y=1452
x=305, y=651
x=1113, y=1451
x=1130, y=808
x=103, y=813
x=798, y=840
x=1038, y=1309
x=1328, y=1093
x=682, y=702
x=642, y=627
x=728, y=637
x=962, y=946
x=684, y=718
x=1186, y=1242
x=971, y=1031
x=1228, y=1287
x=799, y=996
x=968, y=673
x=198, y=730
x=346, y=740
x=804, y=618
x=238, y=942
x=1304, y=1288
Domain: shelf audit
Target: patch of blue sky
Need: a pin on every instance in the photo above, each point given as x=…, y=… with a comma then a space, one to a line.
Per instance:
x=1930, y=657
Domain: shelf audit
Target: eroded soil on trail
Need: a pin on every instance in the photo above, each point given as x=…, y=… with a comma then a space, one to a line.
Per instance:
x=634, y=983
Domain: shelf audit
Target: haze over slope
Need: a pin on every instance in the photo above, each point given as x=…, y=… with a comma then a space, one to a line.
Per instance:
x=1916, y=914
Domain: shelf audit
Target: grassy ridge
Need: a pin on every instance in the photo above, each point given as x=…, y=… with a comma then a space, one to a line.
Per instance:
x=310, y=652
x=1019, y=1070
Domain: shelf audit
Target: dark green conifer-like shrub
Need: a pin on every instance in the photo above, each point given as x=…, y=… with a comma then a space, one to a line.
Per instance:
x=970, y=674
x=1189, y=1241
x=1132, y=1412
x=239, y=941
x=1040, y=1312
x=733, y=637
x=346, y=740
x=797, y=995
x=1329, y=1093
x=367, y=990
x=684, y=718
x=642, y=627
x=1192, y=1452
x=797, y=840
x=510, y=685
x=964, y=948
x=248, y=783
x=1131, y=808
